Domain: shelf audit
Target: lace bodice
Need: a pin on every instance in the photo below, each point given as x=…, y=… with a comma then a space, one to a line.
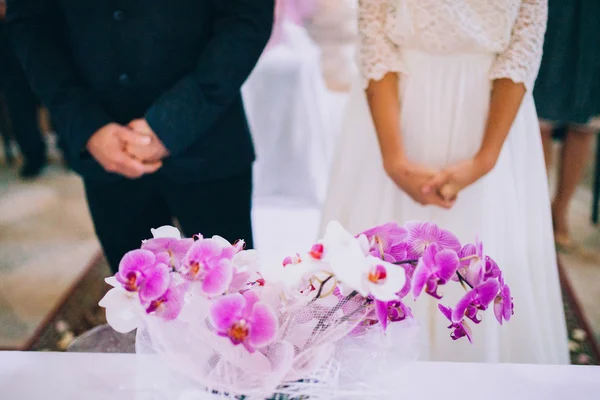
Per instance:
x=511, y=29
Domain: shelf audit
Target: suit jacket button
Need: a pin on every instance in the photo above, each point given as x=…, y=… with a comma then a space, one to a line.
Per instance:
x=124, y=79
x=119, y=15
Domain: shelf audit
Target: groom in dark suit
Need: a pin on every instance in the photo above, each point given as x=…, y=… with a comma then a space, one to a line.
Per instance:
x=146, y=96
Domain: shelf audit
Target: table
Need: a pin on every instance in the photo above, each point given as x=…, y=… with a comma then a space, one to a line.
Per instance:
x=76, y=376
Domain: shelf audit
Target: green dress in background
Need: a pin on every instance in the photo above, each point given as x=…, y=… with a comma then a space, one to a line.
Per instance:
x=567, y=90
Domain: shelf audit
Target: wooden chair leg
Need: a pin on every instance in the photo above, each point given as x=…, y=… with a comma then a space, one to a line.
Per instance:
x=596, y=193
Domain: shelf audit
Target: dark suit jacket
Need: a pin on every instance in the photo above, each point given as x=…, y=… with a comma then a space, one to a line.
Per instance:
x=178, y=63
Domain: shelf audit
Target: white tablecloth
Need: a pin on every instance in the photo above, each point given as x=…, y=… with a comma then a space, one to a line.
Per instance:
x=85, y=376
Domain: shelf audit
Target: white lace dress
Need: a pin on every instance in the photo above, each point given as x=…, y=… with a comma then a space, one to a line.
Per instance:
x=447, y=53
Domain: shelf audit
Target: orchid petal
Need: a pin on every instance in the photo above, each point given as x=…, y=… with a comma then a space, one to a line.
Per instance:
x=239, y=281
x=508, y=304
x=446, y=311
x=218, y=278
x=499, y=310
x=202, y=249
x=293, y=274
x=226, y=310
x=363, y=242
x=181, y=247
x=166, y=231
x=163, y=258
x=474, y=274
x=462, y=306
x=136, y=260
x=263, y=326
x=227, y=249
x=395, y=280
x=349, y=265
x=122, y=313
x=157, y=245
x=423, y=234
x=381, y=310
x=420, y=278
x=251, y=299
x=409, y=271
x=429, y=255
x=156, y=284
x=112, y=281
x=447, y=263
x=487, y=292
x=467, y=331
x=174, y=302
x=468, y=250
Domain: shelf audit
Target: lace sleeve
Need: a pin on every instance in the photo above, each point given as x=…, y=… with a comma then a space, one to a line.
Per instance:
x=520, y=62
x=377, y=54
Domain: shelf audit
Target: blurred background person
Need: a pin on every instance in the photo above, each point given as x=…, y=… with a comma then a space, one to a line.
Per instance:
x=22, y=107
x=294, y=117
x=332, y=26
x=567, y=97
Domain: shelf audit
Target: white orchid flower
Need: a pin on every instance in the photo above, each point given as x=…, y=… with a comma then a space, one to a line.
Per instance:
x=166, y=232
x=124, y=312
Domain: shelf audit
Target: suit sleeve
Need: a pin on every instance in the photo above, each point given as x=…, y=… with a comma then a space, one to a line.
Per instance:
x=188, y=109
x=36, y=31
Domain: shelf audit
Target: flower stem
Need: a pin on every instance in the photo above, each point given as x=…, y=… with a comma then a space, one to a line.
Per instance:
x=322, y=286
x=360, y=308
x=463, y=280
x=321, y=324
x=413, y=262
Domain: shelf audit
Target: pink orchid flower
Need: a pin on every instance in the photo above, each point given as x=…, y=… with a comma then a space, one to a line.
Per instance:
x=478, y=298
x=169, y=305
x=124, y=312
x=423, y=234
x=388, y=242
x=209, y=262
x=168, y=239
x=144, y=272
x=391, y=311
x=246, y=264
x=460, y=329
x=503, y=303
x=244, y=319
x=436, y=267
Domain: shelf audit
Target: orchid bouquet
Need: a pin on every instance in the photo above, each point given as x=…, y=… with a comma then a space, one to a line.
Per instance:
x=210, y=310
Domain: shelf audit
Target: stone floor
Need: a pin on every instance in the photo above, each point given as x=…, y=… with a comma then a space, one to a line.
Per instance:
x=583, y=267
x=46, y=243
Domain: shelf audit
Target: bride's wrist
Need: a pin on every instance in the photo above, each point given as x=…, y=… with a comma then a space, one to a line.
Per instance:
x=394, y=161
x=486, y=160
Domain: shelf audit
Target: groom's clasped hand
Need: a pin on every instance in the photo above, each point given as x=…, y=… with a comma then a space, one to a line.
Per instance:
x=131, y=151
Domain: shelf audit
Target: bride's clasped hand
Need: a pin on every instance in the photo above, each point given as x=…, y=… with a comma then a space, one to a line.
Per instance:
x=411, y=178
x=451, y=180
x=428, y=186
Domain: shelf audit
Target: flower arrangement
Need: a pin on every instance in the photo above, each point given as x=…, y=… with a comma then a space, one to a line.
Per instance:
x=205, y=305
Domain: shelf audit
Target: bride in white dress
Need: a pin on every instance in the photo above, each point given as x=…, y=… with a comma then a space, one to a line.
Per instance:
x=449, y=89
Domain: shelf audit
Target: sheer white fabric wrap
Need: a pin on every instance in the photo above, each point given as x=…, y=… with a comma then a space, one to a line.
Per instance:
x=329, y=363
